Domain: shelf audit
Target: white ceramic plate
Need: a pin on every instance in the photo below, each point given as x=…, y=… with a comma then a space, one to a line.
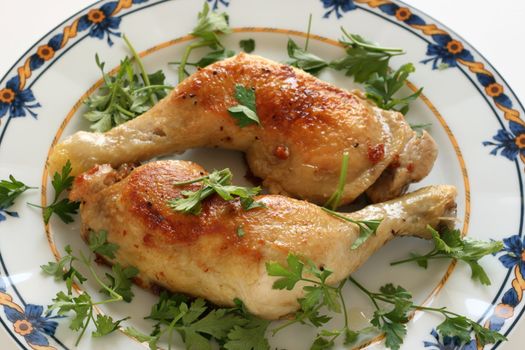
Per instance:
x=476, y=120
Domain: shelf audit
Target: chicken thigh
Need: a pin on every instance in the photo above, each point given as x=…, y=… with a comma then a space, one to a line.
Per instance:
x=306, y=126
x=202, y=255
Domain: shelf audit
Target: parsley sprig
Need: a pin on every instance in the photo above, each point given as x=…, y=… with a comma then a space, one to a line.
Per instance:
x=381, y=89
x=64, y=208
x=365, y=61
x=196, y=322
x=247, y=45
x=217, y=182
x=335, y=199
x=125, y=95
x=301, y=58
x=449, y=244
x=392, y=320
x=367, y=228
x=117, y=286
x=317, y=295
x=364, y=58
x=209, y=26
x=246, y=111
x=10, y=190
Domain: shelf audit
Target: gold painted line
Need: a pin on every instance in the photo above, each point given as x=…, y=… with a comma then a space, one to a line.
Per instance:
x=332, y=42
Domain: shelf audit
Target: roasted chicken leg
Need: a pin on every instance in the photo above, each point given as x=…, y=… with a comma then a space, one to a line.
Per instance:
x=203, y=255
x=306, y=126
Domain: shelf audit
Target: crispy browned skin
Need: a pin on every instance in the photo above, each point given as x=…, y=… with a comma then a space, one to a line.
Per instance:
x=306, y=126
x=203, y=255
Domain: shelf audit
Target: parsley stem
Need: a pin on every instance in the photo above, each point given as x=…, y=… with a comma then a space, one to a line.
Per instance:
x=187, y=182
x=343, y=305
x=431, y=255
x=152, y=87
x=187, y=52
x=375, y=296
x=355, y=40
x=87, y=263
x=334, y=200
x=342, y=217
x=90, y=317
x=125, y=111
x=141, y=66
x=442, y=311
x=308, y=33
x=364, y=290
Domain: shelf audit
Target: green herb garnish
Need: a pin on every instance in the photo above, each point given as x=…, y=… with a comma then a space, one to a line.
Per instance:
x=247, y=45
x=304, y=60
x=335, y=199
x=317, y=295
x=126, y=95
x=217, y=182
x=301, y=58
x=366, y=227
x=418, y=128
x=246, y=111
x=64, y=208
x=364, y=58
x=209, y=26
x=240, y=232
x=382, y=88
x=196, y=322
x=10, y=190
x=117, y=286
x=392, y=320
x=450, y=245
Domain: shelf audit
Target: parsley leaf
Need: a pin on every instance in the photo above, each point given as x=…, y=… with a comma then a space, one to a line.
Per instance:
x=418, y=128
x=382, y=88
x=83, y=306
x=120, y=281
x=290, y=274
x=105, y=325
x=393, y=321
x=64, y=269
x=317, y=294
x=367, y=228
x=364, y=58
x=125, y=95
x=213, y=57
x=197, y=322
x=240, y=232
x=209, y=26
x=301, y=58
x=217, y=182
x=211, y=23
x=10, y=190
x=245, y=112
x=450, y=244
x=304, y=60
x=99, y=244
x=64, y=208
x=247, y=45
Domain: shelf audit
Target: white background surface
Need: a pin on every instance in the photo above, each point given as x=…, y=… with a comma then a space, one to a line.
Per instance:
x=495, y=28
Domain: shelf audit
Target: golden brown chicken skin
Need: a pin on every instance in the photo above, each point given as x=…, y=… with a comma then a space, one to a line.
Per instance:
x=306, y=126
x=204, y=256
